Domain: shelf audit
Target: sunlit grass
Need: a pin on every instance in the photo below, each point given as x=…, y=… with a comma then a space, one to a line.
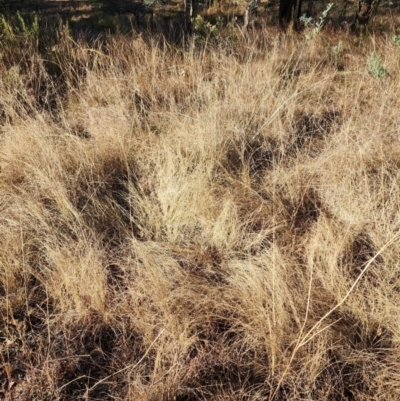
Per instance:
x=216, y=223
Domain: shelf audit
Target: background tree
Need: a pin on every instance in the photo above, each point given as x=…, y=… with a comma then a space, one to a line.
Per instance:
x=365, y=10
x=289, y=10
x=139, y=8
x=251, y=9
x=190, y=11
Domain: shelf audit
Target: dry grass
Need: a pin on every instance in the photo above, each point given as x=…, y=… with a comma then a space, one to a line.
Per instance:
x=215, y=223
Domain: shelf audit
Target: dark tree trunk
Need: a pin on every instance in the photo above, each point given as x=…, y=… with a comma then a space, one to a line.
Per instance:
x=289, y=10
x=299, y=3
x=310, y=7
x=251, y=10
x=190, y=15
x=285, y=11
x=365, y=9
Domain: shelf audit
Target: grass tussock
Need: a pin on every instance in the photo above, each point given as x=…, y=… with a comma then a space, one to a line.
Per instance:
x=215, y=223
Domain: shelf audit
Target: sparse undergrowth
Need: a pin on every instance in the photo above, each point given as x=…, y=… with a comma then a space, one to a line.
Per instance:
x=217, y=223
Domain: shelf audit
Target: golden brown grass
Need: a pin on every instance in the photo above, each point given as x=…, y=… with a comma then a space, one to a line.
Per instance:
x=216, y=223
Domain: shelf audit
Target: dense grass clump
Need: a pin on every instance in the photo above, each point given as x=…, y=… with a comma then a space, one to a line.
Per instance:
x=200, y=223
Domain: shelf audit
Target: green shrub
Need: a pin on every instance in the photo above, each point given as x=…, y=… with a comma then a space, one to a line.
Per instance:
x=375, y=66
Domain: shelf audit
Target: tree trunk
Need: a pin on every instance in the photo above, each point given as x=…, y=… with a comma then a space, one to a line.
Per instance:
x=289, y=10
x=365, y=9
x=251, y=9
x=189, y=15
x=297, y=13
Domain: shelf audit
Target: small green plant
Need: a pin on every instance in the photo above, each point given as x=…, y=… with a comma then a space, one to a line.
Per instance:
x=24, y=29
x=20, y=29
x=337, y=50
x=5, y=29
x=396, y=40
x=308, y=21
x=205, y=29
x=375, y=66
